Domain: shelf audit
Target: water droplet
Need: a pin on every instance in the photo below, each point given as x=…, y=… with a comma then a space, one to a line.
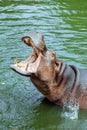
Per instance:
x=2, y=83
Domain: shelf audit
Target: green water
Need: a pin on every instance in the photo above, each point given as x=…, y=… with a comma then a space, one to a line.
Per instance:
x=64, y=24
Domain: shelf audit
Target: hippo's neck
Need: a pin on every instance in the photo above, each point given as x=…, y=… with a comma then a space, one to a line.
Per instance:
x=77, y=83
x=67, y=82
x=40, y=85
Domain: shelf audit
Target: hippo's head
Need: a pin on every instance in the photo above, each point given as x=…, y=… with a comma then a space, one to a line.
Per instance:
x=41, y=65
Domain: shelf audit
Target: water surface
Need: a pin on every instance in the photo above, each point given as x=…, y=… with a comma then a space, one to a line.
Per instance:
x=64, y=24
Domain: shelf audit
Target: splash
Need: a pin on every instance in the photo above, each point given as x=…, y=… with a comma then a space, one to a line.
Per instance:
x=70, y=109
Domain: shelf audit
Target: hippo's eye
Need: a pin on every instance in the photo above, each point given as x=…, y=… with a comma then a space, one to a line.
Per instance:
x=57, y=64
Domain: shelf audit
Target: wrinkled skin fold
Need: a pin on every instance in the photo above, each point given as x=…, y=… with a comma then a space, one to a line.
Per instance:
x=58, y=81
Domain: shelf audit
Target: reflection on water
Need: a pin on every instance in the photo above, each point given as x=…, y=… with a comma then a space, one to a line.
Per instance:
x=64, y=24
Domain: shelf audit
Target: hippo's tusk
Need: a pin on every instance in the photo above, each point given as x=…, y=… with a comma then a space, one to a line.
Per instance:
x=27, y=66
x=16, y=60
x=16, y=63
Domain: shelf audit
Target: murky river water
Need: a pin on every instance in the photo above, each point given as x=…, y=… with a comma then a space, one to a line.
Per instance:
x=64, y=24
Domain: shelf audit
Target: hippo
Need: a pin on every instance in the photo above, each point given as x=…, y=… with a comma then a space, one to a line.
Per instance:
x=55, y=79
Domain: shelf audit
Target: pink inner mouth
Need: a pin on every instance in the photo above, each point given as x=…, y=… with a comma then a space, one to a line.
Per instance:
x=29, y=65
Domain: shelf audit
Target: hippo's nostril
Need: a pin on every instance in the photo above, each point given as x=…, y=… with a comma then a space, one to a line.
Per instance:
x=24, y=41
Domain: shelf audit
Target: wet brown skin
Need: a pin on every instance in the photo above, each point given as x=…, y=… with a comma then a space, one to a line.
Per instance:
x=52, y=77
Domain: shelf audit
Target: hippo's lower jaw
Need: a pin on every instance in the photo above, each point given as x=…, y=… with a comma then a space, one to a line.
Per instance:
x=27, y=66
x=21, y=70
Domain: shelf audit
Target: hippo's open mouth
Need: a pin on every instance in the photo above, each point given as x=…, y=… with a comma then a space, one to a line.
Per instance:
x=27, y=66
x=30, y=65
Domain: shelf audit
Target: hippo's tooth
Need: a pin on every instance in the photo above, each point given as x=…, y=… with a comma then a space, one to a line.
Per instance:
x=27, y=66
x=16, y=60
x=19, y=65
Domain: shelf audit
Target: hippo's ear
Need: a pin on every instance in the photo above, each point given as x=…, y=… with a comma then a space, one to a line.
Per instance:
x=58, y=64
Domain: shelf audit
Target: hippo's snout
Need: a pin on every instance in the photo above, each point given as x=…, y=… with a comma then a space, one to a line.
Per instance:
x=35, y=40
x=30, y=65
